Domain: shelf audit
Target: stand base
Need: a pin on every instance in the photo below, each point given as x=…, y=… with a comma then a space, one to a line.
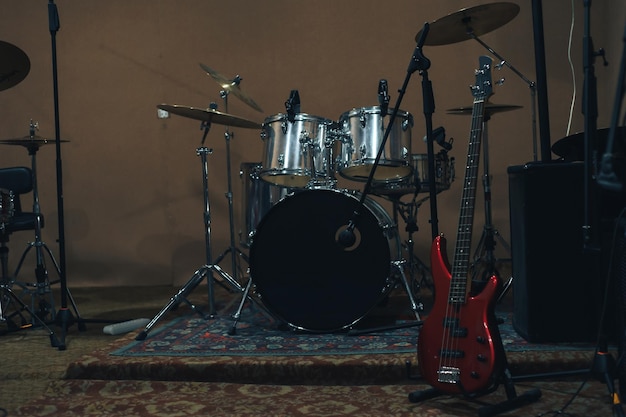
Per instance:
x=512, y=402
x=7, y=296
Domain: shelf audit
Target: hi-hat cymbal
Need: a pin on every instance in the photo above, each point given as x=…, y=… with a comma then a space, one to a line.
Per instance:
x=231, y=86
x=14, y=65
x=466, y=23
x=490, y=109
x=29, y=141
x=209, y=115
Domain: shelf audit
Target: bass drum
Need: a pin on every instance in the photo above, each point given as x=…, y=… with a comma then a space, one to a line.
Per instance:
x=306, y=278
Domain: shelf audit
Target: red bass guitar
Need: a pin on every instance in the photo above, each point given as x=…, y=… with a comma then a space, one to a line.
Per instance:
x=459, y=348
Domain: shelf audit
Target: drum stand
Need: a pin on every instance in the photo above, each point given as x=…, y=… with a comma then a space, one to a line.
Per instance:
x=484, y=264
x=42, y=286
x=206, y=271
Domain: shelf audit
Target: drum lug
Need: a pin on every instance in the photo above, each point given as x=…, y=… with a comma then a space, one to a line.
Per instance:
x=283, y=127
x=363, y=151
x=281, y=160
x=407, y=123
x=362, y=117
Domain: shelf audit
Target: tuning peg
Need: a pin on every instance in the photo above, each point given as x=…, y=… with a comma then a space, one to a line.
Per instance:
x=499, y=65
x=500, y=81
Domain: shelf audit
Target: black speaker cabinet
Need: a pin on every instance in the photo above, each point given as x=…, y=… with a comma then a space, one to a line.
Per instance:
x=558, y=286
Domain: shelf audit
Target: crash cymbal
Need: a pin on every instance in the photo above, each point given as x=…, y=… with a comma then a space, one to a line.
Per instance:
x=209, y=115
x=490, y=109
x=14, y=65
x=477, y=20
x=29, y=141
x=231, y=86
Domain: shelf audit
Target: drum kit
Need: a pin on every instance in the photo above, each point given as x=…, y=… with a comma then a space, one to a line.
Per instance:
x=293, y=213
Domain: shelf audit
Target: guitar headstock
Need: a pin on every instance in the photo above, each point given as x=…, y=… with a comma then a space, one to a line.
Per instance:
x=483, y=87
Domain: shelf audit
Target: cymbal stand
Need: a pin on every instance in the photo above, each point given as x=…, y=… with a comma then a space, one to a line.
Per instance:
x=416, y=267
x=531, y=85
x=42, y=286
x=484, y=258
x=235, y=252
x=207, y=270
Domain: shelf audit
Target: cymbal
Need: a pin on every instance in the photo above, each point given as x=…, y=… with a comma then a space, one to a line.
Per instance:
x=476, y=21
x=490, y=109
x=28, y=141
x=14, y=65
x=572, y=147
x=231, y=86
x=209, y=115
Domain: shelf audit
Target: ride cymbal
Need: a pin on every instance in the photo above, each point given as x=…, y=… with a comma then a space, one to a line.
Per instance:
x=209, y=115
x=14, y=65
x=231, y=86
x=490, y=109
x=572, y=147
x=466, y=23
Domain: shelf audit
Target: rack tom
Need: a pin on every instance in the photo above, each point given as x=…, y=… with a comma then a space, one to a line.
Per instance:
x=363, y=133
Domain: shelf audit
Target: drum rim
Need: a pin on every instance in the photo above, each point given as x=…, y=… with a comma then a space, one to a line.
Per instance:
x=298, y=117
x=370, y=110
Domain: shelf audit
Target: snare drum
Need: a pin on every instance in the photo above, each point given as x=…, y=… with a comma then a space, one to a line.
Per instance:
x=296, y=152
x=444, y=176
x=364, y=130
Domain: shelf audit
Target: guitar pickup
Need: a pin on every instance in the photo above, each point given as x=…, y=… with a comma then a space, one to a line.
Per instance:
x=448, y=375
x=453, y=324
x=456, y=354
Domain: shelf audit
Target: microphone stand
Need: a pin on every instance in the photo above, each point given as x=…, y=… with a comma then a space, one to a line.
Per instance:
x=347, y=237
x=64, y=317
x=603, y=365
x=419, y=62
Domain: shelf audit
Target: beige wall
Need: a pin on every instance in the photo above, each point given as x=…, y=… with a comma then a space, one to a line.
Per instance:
x=132, y=183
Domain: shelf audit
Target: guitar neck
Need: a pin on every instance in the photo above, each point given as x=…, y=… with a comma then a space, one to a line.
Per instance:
x=460, y=267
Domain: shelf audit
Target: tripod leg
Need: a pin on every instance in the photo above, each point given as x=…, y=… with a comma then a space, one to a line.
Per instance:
x=407, y=288
x=54, y=342
x=193, y=282
x=237, y=314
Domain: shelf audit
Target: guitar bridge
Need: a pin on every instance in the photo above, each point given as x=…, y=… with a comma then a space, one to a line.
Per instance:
x=448, y=375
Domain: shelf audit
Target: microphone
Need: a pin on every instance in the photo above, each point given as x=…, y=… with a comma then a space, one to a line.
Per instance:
x=347, y=237
x=383, y=97
x=292, y=105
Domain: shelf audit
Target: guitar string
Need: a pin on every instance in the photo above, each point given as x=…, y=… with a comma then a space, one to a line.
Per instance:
x=451, y=335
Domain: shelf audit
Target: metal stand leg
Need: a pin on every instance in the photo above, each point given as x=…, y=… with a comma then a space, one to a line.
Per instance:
x=399, y=267
x=6, y=297
x=42, y=285
x=408, y=212
x=229, y=282
x=484, y=264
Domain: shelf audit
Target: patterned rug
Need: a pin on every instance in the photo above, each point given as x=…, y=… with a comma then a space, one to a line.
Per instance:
x=172, y=399
x=255, y=336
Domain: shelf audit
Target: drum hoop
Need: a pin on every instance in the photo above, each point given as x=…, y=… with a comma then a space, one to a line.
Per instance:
x=369, y=110
x=298, y=117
